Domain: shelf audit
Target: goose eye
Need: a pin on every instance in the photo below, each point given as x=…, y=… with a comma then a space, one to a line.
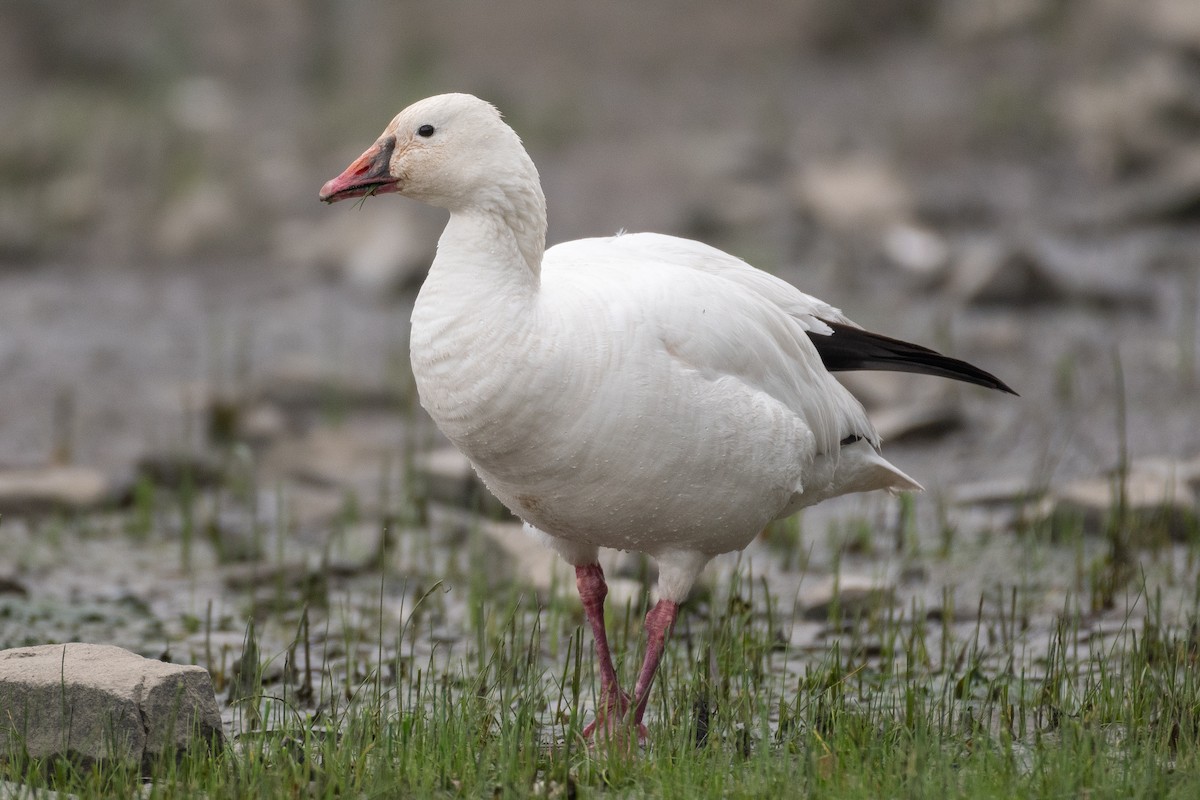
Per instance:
x=425, y=130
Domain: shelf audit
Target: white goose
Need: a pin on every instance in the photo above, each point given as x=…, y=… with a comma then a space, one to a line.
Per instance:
x=640, y=392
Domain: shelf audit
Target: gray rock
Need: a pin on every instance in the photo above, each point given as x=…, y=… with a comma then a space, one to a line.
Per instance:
x=197, y=220
x=298, y=386
x=261, y=424
x=918, y=251
x=447, y=477
x=1176, y=21
x=1158, y=505
x=1004, y=492
x=1170, y=469
x=1134, y=117
x=973, y=20
x=12, y=586
x=862, y=191
x=361, y=456
x=990, y=271
x=880, y=390
x=93, y=703
x=33, y=490
x=925, y=420
x=851, y=595
x=289, y=575
x=379, y=249
x=177, y=468
x=1169, y=194
x=1043, y=270
x=527, y=560
x=201, y=104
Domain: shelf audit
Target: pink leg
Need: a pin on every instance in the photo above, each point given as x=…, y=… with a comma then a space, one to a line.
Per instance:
x=659, y=622
x=589, y=578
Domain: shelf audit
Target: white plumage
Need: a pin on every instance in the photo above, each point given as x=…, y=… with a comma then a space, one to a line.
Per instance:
x=641, y=391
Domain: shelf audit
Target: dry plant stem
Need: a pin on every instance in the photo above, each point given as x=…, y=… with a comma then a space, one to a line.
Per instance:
x=589, y=579
x=659, y=622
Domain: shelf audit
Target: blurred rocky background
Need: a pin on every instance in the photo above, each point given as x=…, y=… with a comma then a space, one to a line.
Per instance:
x=1016, y=182
x=1009, y=154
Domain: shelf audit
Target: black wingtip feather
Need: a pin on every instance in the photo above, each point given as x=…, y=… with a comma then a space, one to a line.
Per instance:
x=849, y=348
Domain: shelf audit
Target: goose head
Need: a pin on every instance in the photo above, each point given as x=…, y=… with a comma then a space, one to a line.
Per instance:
x=452, y=151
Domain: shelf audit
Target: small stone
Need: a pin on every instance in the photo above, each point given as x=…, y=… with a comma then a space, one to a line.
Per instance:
x=1169, y=194
x=12, y=586
x=448, y=477
x=175, y=469
x=353, y=549
x=861, y=191
x=288, y=575
x=234, y=534
x=526, y=559
x=36, y=490
x=380, y=249
x=532, y=563
x=852, y=595
x=997, y=492
x=202, y=104
x=361, y=457
x=1135, y=118
x=98, y=703
x=1044, y=270
x=1158, y=506
x=971, y=20
x=879, y=390
x=262, y=424
x=302, y=385
x=918, y=420
x=1177, y=21
x=309, y=507
x=199, y=219
x=389, y=260
x=918, y=251
x=992, y=272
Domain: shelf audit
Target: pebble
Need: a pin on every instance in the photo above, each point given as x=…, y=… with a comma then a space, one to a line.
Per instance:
x=35, y=490
x=991, y=271
x=300, y=385
x=175, y=469
x=381, y=249
x=918, y=251
x=1158, y=505
x=852, y=595
x=532, y=563
x=919, y=420
x=198, y=220
x=447, y=476
x=1003, y=492
x=856, y=192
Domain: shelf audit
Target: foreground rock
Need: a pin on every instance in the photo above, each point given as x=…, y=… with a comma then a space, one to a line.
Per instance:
x=93, y=703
